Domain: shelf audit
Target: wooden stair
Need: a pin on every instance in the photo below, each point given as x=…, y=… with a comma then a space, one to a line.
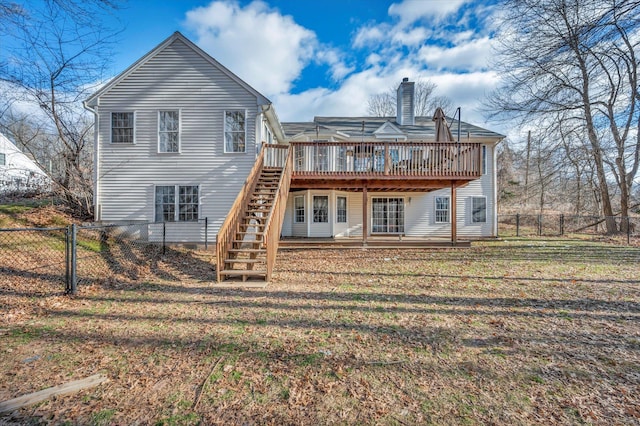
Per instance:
x=246, y=258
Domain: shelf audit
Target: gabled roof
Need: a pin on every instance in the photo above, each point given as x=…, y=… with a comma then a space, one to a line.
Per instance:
x=357, y=128
x=93, y=99
x=389, y=131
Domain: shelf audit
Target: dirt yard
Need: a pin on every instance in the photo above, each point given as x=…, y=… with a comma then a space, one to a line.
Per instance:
x=512, y=332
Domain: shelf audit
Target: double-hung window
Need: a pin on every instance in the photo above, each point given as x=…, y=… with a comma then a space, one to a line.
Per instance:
x=341, y=209
x=122, y=127
x=235, y=131
x=442, y=209
x=169, y=131
x=320, y=209
x=298, y=207
x=177, y=203
x=478, y=210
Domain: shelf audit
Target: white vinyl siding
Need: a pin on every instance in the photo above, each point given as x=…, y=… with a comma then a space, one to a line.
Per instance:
x=169, y=131
x=235, y=131
x=442, y=210
x=127, y=178
x=123, y=127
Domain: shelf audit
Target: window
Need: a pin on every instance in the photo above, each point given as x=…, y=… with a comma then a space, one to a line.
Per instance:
x=165, y=203
x=188, y=203
x=387, y=215
x=183, y=208
x=484, y=159
x=168, y=131
x=442, y=209
x=320, y=209
x=298, y=207
x=3, y=159
x=298, y=155
x=122, y=127
x=478, y=209
x=341, y=210
x=234, y=131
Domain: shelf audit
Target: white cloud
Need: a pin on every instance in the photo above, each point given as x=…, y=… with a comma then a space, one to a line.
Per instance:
x=265, y=48
x=474, y=54
x=410, y=11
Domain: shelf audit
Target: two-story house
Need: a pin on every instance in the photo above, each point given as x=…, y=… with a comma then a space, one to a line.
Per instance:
x=180, y=138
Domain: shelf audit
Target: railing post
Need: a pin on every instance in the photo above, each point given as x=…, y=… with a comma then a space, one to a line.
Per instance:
x=517, y=224
x=164, y=237
x=74, y=260
x=561, y=225
x=206, y=233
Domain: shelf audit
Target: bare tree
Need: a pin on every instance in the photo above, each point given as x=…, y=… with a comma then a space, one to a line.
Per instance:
x=56, y=54
x=425, y=101
x=577, y=59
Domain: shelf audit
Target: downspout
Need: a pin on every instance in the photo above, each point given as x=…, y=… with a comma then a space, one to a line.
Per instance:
x=96, y=163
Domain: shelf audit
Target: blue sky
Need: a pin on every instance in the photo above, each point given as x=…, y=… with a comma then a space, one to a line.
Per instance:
x=326, y=57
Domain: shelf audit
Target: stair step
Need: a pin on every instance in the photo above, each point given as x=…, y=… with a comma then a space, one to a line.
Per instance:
x=243, y=274
x=246, y=250
x=250, y=232
x=244, y=260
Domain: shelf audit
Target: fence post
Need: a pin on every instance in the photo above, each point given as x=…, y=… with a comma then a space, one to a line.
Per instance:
x=561, y=225
x=517, y=224
x=539, y=225
x=206, y=233
x=498, y=227
x=164, y=236
x=67, y=260
x=628, y=230
x=74, y=260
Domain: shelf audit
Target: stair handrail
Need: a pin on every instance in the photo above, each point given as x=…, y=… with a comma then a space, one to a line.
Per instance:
x=273, y=225
x=227, y=232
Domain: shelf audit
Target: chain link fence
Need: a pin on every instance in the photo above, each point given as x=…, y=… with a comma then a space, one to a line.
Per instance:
x=46, y=261
x=595, y=227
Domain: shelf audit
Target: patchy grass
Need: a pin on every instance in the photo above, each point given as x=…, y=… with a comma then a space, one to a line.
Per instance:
x=521, y=331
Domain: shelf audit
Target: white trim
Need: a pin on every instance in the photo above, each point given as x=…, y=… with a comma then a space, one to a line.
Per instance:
x=435, y=208
x=179, y=151
x=224, y=130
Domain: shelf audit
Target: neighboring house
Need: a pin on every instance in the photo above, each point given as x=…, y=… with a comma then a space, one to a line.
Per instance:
x=18, y=173
x=179, y=139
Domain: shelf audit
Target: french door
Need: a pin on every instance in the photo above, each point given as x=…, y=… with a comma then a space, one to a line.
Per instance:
x=387, y=215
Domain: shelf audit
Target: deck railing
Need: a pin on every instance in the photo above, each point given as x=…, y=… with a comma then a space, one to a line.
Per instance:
x=227, y=232
x=379, y=159
x=279, y=156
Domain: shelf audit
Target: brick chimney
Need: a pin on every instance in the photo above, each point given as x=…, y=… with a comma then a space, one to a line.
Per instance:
x=405, y=111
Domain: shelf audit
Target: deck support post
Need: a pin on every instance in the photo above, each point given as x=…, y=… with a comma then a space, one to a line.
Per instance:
x=365, y=219
x=454, y=221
